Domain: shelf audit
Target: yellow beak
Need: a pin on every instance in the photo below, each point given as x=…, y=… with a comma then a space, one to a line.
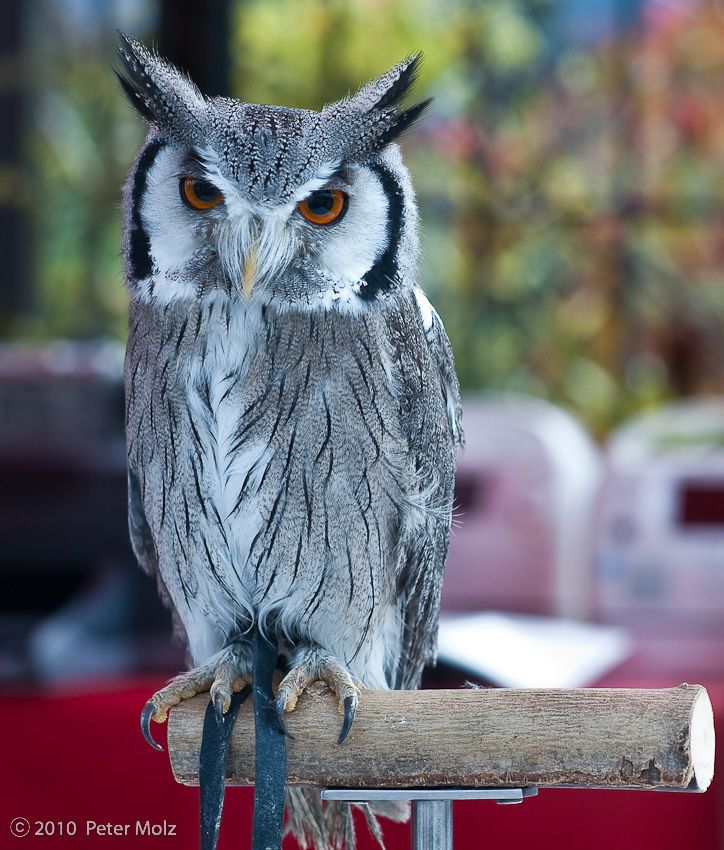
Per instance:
x=249, y=271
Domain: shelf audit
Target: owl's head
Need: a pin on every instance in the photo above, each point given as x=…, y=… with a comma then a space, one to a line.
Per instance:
x=290, y=207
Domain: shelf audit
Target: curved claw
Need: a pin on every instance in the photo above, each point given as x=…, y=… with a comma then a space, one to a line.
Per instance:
x=146, y=716
x=350, y=706
x=281, y=705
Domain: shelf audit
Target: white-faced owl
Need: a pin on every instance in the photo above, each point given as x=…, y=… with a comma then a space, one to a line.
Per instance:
x=292, y=405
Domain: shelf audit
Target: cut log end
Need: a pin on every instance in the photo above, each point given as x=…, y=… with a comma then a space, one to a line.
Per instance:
x=702, y=741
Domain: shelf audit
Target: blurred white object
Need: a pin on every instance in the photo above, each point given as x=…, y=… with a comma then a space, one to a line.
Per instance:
x=660, y=553
x=526, y=491
x=518, y=651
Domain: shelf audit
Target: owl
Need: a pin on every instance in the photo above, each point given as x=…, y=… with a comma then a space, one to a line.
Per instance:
x=292, y=409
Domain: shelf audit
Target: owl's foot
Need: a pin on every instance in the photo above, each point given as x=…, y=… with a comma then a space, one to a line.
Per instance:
x=222, y=677
x=319, y=667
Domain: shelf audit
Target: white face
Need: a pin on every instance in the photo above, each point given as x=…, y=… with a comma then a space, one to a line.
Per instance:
x=257, y=171
x=264, y=252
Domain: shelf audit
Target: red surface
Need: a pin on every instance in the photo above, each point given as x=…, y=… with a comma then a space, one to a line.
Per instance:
x=80, y=757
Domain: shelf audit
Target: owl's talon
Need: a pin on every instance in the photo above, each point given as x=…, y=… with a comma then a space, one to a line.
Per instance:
x=350, y=706
x=281, y=708
x=146, y=715
x=320, y=668
x=225, y=675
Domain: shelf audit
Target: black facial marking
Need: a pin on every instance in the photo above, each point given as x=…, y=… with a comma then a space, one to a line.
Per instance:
x=139, y=255
x=384, y=273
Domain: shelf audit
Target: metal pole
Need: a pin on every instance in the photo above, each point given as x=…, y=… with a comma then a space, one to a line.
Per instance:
x=432, y=825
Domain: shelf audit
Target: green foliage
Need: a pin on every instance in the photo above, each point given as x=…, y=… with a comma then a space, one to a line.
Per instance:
x=80, y=145
x=571, y=203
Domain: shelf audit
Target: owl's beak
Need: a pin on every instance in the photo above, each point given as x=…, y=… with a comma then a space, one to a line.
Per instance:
x=249, y=270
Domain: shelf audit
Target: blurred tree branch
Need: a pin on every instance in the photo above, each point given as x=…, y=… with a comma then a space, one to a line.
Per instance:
x=14, y=223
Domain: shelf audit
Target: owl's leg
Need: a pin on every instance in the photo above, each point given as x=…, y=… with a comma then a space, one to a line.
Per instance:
x=226, y=673
x=317, y=665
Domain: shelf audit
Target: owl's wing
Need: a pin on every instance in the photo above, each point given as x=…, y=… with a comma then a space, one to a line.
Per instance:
x=442, y=356
x=141, y=537
x=431, y=399
x=145, y=549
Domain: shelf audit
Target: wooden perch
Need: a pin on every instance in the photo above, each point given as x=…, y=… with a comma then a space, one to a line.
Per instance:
x=494, y=738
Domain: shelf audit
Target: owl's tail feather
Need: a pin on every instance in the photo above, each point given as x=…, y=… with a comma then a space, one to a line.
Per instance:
x=321, y=826
x=305, y=819
x=330, y=825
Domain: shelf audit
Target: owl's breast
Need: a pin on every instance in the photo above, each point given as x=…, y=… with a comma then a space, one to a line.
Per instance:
x=303, y=474
x=276, y=472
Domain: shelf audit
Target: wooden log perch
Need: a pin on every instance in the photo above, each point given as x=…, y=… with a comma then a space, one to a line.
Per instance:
x=493, y=738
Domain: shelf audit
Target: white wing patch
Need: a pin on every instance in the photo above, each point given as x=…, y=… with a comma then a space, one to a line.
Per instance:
x=427, y=311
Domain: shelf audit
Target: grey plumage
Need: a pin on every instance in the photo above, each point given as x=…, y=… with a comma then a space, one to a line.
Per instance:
x=292, y=406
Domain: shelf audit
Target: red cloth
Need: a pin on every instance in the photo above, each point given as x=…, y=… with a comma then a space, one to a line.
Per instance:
x=79, y=757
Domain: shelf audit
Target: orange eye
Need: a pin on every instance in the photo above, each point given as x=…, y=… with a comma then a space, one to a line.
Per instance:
x=199, y=194
x=324, y=207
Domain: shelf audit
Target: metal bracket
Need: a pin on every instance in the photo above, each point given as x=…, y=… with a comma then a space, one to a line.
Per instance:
x=432, y=827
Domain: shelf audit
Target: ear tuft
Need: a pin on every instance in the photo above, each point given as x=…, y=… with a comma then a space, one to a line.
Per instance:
x=402, y=120
x=373, y=116
x=399, y=80
x=156, y=89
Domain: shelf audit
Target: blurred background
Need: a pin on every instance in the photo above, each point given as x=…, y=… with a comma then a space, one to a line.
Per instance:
x=570, y=176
